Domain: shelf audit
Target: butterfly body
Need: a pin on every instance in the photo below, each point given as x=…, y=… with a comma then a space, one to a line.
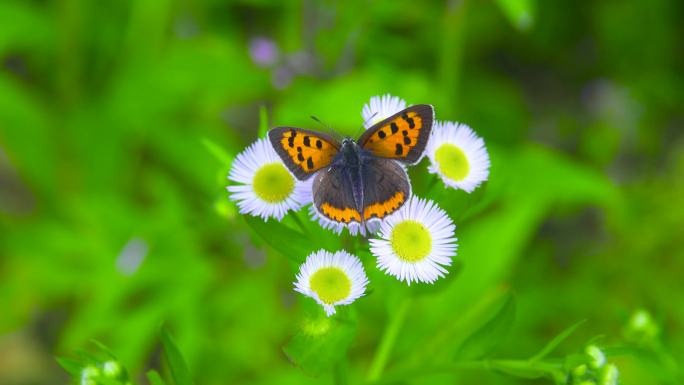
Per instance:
x=358, y=180
x=350, y=163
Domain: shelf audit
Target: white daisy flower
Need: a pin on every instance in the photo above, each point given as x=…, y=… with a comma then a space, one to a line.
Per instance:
x=331, y=279
x=371, y=226
x=416, y=242
x=265, y=187
x=381, y=107
x=458, y=156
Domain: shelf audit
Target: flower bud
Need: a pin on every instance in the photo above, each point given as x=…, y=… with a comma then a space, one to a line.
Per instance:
x=609, y=375
x=641, y=326
x=112, y=369
x=89, y=375
x=596, y=357
x=579, y=371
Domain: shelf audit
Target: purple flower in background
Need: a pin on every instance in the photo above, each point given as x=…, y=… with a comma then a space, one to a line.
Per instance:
x=264, y=52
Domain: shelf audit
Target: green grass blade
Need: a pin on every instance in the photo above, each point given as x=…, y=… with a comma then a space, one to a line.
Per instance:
x=179, y=369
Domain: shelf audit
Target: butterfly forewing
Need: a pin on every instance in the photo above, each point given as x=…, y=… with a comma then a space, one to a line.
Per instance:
x=303, y=151
x=403, y=136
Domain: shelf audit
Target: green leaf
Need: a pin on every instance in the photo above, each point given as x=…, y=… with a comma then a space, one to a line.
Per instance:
x=72, y=367
x=519, y=12
x=553, y=344
x=174, y=358
x=218, y=152
x=104, y=349
x=154, y=378
x=484, y=340
x=321, y=342
x=290, y=243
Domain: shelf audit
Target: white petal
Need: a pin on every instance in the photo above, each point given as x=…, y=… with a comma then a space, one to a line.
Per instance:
x=381, y=107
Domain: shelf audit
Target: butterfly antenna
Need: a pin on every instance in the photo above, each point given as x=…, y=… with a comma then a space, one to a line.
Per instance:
x=331, y=132
x=369, y=119
x=363, y=127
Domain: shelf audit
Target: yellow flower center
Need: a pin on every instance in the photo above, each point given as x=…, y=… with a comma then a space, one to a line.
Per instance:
x=331, y=284
x=452, y=161
x=411, y=241
x=272, y=183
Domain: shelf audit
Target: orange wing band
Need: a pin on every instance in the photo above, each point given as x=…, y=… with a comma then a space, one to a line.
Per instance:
x=383, y=209
x=344, y=215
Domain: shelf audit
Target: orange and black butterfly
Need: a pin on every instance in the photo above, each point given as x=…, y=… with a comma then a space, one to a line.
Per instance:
x=360, y=180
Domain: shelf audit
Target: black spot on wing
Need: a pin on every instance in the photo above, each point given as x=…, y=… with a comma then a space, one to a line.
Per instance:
x=399, y=149
x=309, y=163
x=290, y=141
x=381, y=134
x=394, y=128
x=407, y=140
x=307, y=141
x=300, y=157
x=293, y=133
x=408, y=120
x=319, y=144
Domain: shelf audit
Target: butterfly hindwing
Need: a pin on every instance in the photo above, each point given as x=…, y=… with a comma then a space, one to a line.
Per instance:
x=386, y=188
x=333, y=196
x=303, y=151
x=403, y=136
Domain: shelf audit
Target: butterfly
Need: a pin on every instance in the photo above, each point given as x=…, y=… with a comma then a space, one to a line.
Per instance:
x=358, y=180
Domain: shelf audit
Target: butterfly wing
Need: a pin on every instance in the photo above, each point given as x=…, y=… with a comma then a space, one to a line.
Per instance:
x=403, y=136
x=303, y=151
x=386, y=188
x=333, y=195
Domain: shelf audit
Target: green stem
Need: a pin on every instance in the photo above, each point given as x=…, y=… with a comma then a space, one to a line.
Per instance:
x=388, y=340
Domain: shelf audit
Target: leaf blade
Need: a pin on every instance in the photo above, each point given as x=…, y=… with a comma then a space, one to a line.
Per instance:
x=179, y=369
x=281, y=238
x=485, y=339
x=154, y=378
x=557, y=340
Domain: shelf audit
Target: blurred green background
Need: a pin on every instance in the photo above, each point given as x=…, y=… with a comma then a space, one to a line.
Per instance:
x=118, y=121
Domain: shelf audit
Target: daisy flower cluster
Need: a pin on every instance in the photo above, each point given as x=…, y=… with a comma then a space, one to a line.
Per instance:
x=416, y=243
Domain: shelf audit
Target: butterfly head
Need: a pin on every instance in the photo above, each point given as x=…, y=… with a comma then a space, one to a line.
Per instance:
x=348, y=141
x=350, y=151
